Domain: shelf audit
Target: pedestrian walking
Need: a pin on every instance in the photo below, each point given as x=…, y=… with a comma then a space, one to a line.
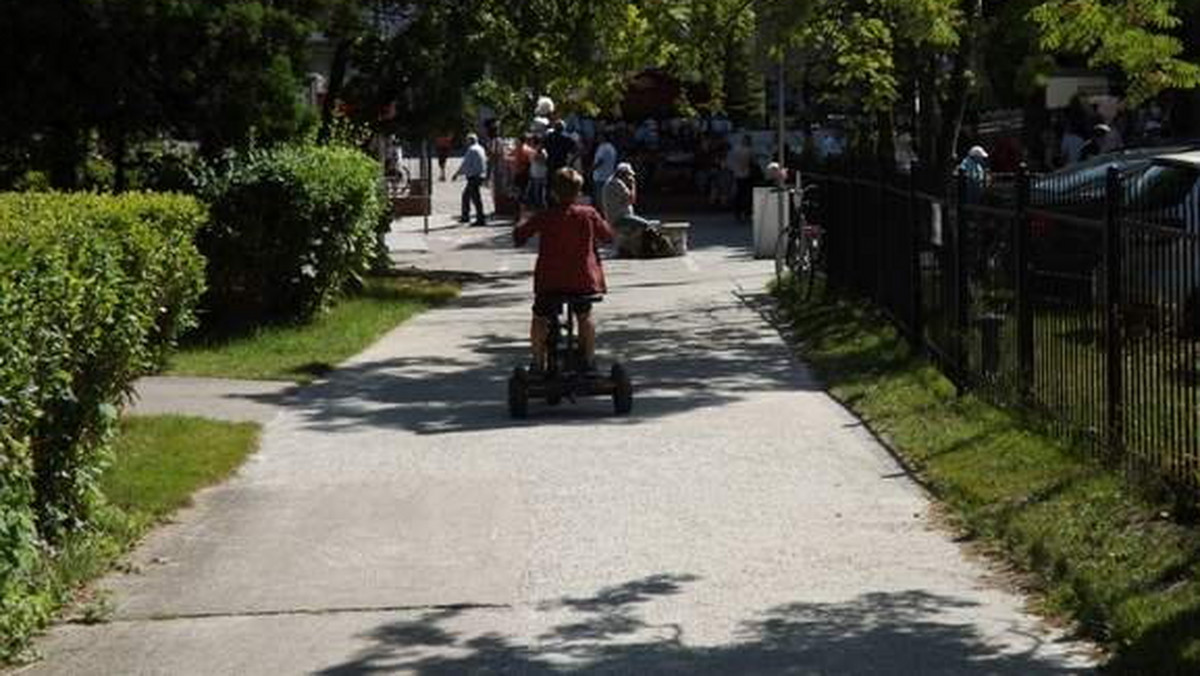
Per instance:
x=561, y=148
x=740, y=160
x=603, y=166
x=474, y=168
x=538, y=176
x=442, y=146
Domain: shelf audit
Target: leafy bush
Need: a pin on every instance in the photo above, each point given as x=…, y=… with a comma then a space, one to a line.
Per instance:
x=94, y=291
x=164, y=165
x=291, y=227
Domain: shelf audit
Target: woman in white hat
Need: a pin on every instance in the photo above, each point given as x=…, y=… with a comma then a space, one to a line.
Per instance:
x=974, y=169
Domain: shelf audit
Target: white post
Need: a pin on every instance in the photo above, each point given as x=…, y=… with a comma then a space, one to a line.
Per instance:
x=782, y=124
x=781, y=187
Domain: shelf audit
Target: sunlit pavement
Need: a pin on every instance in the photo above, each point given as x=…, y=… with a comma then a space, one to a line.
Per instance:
x=397, y=520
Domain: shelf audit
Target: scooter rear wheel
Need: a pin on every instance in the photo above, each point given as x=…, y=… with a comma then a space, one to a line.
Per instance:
x=622, y=390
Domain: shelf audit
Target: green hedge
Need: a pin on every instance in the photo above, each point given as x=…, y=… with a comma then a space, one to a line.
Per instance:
x=93, y=291
x=290, y=228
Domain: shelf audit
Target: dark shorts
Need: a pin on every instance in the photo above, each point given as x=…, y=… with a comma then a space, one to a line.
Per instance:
x=550, y=305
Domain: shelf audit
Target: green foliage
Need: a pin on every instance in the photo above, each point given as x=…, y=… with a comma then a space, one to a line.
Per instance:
x=32, y=181
x=159, y=461
x=291, y=227
x=23, y=605
x=411, y=75
x=220, y=72
x=855, y=47
x=1131, y=35
x=581, y=54
x=163, y=165
x=95, y=290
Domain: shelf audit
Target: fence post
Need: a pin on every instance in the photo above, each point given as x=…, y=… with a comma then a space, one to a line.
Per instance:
x=883, y=225
x=426, y=171
x=852, y=268
x=1025, y=350
x=914, y=262
x=1114, y=344
x=961, y=297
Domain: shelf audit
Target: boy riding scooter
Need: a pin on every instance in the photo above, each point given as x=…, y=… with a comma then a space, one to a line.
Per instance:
x=567, y=264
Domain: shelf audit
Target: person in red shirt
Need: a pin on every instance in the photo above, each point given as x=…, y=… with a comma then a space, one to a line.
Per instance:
x=567, y=264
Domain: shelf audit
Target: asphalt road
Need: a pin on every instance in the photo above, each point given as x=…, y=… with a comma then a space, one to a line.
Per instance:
x=397, y=521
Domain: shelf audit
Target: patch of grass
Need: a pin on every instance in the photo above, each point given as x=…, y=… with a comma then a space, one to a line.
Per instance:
x=1102, y=552
x=302, y=353
x=159, y=462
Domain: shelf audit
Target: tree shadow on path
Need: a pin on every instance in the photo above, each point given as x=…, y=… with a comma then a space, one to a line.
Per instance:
x=907, y=632
x=679, y=362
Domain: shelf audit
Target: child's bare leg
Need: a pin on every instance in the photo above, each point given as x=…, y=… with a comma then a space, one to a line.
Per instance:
x=587, y=337
x=538, y=330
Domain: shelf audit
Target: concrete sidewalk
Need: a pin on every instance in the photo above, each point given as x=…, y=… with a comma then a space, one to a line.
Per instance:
x=219, y=398
x=397, y=521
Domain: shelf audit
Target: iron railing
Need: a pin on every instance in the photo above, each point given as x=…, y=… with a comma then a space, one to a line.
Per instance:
x=1076, y=299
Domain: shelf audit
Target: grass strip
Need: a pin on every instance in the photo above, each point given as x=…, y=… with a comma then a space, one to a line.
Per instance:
x=1101, y=552
x=301, y=353
x=159, y=462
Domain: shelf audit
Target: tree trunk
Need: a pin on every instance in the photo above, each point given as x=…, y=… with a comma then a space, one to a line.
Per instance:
x=960, y=90
x=885, y=144
x=67, y=154
x=120, y=148
x=337, y=77
x=930, y=118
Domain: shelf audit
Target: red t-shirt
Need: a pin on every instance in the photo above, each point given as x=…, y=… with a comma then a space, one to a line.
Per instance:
x=567, y=261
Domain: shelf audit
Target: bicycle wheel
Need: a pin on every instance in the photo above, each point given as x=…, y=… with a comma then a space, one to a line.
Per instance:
x=787, y=248
x=809, y=259
x=781, y=245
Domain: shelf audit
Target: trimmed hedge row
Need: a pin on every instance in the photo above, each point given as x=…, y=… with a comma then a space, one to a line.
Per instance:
x=93, y=291
x=291, y=227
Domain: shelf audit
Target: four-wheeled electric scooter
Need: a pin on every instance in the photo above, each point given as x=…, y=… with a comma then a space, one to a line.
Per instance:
x=567, y=375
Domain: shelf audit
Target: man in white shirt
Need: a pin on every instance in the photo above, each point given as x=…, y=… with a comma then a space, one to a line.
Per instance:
x=474, y=167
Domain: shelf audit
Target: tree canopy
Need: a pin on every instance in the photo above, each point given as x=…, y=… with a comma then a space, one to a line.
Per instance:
x=88, y=74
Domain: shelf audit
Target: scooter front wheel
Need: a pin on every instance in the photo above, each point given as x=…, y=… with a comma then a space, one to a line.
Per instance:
x=518, y=393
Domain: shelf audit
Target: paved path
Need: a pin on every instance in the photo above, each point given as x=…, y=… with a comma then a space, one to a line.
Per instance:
x=220, y=398
x=397, y=521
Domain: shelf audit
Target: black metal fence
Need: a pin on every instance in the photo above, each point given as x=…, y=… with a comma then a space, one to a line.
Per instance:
x=1073, y=296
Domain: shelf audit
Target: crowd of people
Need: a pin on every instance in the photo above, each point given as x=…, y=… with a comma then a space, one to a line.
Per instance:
x=702, y=157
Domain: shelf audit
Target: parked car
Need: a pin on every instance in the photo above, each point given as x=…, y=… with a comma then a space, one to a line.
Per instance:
x=1159, y=207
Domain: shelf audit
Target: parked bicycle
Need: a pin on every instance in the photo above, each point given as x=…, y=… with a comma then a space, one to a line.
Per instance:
x=798, y=250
